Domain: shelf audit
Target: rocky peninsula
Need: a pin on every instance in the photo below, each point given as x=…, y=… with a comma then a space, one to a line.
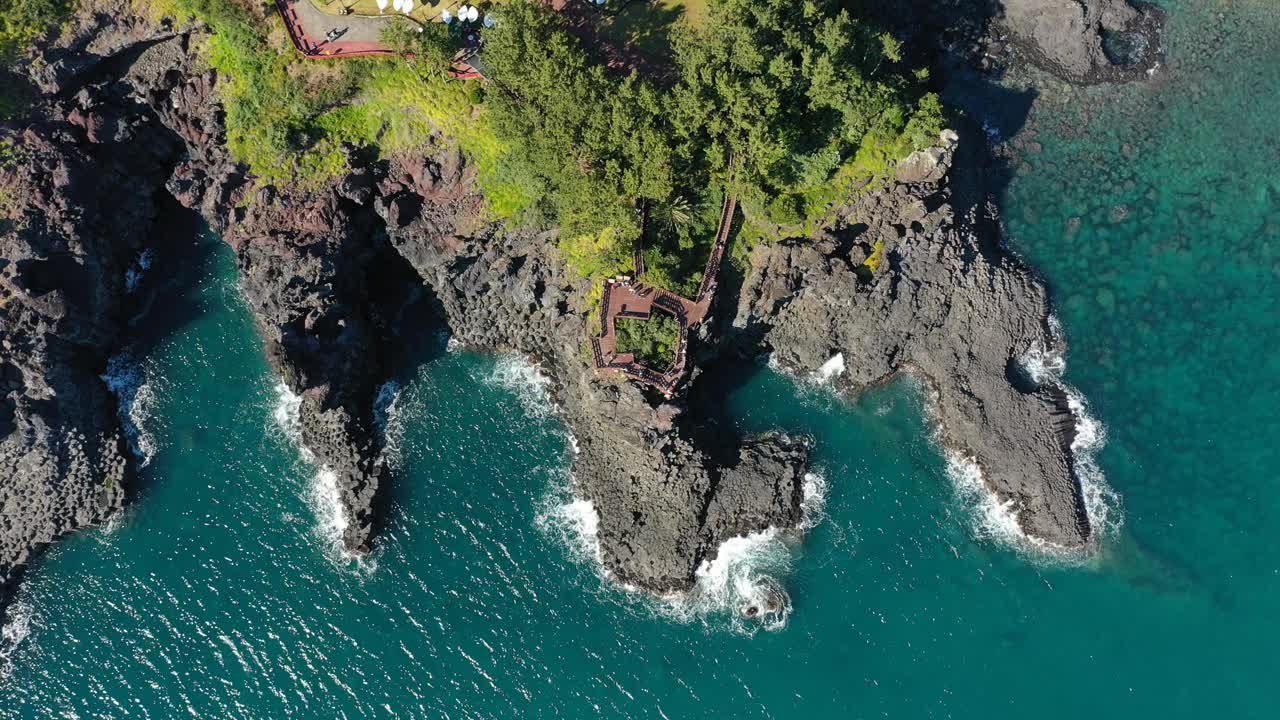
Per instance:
x=127, y=114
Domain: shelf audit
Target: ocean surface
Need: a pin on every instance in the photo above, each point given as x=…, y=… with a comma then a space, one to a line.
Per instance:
x=1154, y=214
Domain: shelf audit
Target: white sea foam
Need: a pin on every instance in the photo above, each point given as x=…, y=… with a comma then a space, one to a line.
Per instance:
x=830, y=370
x=16, y=630
x=575, y=523
x=992, y=518
x=389, y=420
x=742, y=577
x=531, y=385
x=1043, y=365
x=133, y=276
x=998, y=520
x=129, y=381
x=744, y=574
x=322, y=494
x=1102, y=505
x=813, y=508
x=326, y=502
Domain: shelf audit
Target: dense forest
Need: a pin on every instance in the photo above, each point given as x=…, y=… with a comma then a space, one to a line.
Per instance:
x=789, y=106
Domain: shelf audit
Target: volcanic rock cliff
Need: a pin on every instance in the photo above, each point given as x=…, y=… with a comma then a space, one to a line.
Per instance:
x=129, y=113
x=78, y=194
x=914, y=280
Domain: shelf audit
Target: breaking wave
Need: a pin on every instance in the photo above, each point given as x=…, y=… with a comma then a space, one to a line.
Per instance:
x=17, y=628
x=326, y=502
x=526, y=380
x=574, y=522
x=129, y=381
x=322, y=495
x=997, y=520
x=739, y=590
x=1043, y=365
x=389, y=420
x=829, y=370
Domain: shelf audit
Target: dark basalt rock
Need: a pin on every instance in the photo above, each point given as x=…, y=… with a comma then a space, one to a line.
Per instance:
x=1087, y=41
x=130, y=113
x=664, y=505
x=948, y=306
x=77, y=198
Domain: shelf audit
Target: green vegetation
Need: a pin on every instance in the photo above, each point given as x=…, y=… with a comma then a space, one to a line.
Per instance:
x=294, y=120
x=23, y=21
x=876, y=258
x=433, y=44
x=791, y=106
x=653, y=341
x=11, y=157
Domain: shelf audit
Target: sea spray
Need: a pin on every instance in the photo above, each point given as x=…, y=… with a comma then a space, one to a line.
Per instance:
x=739, y=589
x=18, y=619
x=829, y=370
x=322, y=494
x=526, y=380
x=389, y=421
x=130, y=381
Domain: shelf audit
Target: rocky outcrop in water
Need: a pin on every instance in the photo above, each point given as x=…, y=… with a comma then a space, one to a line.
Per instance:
x=943, y=301
x=664, y=504
x=78, y=194
x=1087, y=41
x=910, y=284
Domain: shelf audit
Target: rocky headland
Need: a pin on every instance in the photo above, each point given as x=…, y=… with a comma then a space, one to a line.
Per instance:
x=1087, y=41
x=337, y=274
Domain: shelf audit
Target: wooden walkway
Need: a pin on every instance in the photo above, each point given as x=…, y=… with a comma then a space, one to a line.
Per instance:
x=626, y=298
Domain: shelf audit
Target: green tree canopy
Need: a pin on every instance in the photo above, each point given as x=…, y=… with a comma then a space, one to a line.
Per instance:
x=783, y=103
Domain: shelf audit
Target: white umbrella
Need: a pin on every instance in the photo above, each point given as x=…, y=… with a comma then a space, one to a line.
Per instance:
x=464, y=13
x=408, y=6
x=473, y=14
x=446, y=16
x=382, y=5
x=397, y=4
x=490, y=20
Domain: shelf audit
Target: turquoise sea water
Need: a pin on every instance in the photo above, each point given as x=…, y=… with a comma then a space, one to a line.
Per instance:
x=219, y=593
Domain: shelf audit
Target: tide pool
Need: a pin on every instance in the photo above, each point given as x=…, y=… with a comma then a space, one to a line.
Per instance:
x=220, y=592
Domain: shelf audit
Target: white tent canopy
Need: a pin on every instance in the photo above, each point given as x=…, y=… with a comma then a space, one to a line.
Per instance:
x=446, y=16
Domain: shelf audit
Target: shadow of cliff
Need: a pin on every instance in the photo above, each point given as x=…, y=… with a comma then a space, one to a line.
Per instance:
x=411, y=332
